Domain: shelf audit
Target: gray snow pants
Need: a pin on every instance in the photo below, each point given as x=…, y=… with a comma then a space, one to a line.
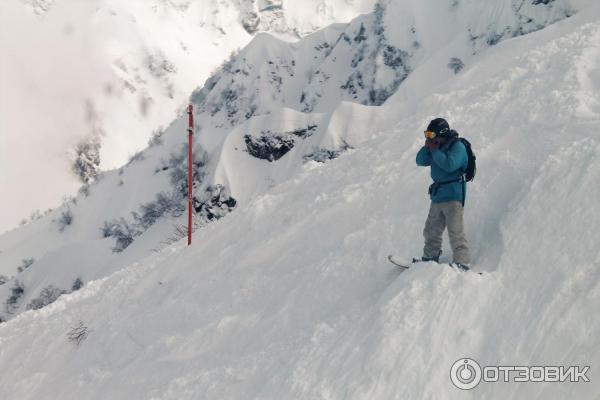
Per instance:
x=442, y=215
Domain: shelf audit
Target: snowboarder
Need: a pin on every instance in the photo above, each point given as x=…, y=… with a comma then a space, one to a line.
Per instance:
x=447, y=156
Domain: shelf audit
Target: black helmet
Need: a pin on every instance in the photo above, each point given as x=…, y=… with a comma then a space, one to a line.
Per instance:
x=440, y=127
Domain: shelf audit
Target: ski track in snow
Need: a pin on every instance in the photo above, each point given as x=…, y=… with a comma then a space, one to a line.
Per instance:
x=291, y=296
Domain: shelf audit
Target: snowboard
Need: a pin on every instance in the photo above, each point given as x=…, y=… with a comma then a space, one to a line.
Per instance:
x=404, y=265
x=399, y=263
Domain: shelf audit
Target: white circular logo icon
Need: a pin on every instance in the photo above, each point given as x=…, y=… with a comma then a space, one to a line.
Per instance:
x=465, y=373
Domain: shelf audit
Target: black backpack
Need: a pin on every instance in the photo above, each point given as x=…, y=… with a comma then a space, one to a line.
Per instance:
x=471, y=164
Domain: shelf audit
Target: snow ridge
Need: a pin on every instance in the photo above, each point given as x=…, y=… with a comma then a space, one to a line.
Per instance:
x=112, y=73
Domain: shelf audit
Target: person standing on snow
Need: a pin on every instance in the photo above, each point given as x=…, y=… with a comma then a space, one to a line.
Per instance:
x=447, y=156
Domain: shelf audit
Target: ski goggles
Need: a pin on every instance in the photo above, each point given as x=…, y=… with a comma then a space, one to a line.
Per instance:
x=433, y=135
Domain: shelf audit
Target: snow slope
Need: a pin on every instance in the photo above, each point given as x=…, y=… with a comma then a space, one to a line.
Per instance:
x=112, y=72
x=272, y=97
x=290, y=295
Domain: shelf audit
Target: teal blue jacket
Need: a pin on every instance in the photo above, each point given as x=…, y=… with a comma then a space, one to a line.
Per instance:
x=447, y=164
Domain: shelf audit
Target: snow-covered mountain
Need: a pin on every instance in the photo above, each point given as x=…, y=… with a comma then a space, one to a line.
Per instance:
x=103, y=75
x=289, y=295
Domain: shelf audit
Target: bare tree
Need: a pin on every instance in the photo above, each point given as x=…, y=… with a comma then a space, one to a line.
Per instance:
x=78, y=333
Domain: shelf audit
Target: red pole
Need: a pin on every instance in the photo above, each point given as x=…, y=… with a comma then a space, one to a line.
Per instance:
x=190, y=159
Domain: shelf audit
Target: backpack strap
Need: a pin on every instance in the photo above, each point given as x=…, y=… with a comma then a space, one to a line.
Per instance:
x=451, y=143
x=433, y=188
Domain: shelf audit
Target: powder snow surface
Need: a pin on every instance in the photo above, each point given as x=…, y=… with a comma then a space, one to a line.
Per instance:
x=291, y=296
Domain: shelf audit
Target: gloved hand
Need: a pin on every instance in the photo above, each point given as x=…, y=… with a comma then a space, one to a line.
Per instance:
x=432, y=144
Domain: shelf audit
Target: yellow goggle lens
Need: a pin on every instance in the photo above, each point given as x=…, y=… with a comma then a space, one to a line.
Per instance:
x=429, y=134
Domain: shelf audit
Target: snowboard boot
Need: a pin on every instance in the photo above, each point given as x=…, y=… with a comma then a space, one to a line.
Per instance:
x=462, y=267
x=427, y=259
